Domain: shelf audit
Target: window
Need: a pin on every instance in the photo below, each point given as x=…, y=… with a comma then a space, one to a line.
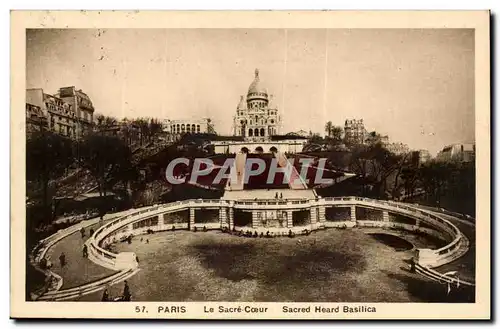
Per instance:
x=198, y=128
x=262, y=132
x=250, y=132
x=256, y=132
x=193, y=127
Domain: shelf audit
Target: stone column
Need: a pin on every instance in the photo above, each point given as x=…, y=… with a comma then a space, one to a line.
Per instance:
x=385, y=216
x=289, y=218
x=417, y=222
x=353, y=213
x=321, y=214
x=313, y=217
x=231, y=218
x=222, y=217
x=255, y=220
x=191, y=218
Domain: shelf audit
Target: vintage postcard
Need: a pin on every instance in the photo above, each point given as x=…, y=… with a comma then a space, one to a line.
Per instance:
x=250, y=165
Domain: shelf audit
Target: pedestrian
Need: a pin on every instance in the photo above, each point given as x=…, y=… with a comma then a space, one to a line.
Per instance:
x=412, y=265
x=62, y=259
x=105, y=296
x=126, y=292
x=281, y=195
x=82, y=232
x=276, y=196
x=147, y=240
x=85, y=251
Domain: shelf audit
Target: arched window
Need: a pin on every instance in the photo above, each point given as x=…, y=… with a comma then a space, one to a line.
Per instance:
x=273, y=149
x=262, y=132
x=259, y=149
x=188, y=128
x=183, y=128
x=178, y=128
x=256, y=132
x=193, y=127
x=198, y=128
x=250, y=132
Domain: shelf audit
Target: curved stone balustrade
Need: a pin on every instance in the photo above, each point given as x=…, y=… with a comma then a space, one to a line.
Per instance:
x=126, y=263
x=429, y=258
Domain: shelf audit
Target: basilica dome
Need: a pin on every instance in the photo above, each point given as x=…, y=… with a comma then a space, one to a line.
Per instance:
x=256, y=88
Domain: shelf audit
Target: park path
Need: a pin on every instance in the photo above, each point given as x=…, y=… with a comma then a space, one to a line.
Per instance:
x=78, y=270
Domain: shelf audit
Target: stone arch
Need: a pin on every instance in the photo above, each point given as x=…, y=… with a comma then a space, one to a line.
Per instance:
x=259, y=149
x=244, y=149
x=273, y=149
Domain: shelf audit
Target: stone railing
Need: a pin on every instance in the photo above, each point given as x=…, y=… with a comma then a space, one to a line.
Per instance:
x=426, y=258
x=54, y=281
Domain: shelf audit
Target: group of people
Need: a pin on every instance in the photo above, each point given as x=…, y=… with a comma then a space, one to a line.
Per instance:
x=82, y=232
x=125, y=297
x=255, y=234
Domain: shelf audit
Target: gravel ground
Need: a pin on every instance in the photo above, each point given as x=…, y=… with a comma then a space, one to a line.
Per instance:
x=326, y=266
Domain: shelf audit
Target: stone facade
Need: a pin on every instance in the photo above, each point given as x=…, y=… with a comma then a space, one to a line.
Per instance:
x=354, y=132
x=69, y=112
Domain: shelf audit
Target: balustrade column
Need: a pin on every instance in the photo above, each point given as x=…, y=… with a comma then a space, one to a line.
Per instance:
x=385, y=216
x=353, y=213
x=255, y=219
x=222, y=217
x=231, y=218
x=191, y=218
x=289, y=218
x=417, y=222
x=321, y=214
x=314, y=218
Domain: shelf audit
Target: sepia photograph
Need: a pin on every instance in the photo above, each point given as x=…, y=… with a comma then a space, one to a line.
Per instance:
x=327, y=169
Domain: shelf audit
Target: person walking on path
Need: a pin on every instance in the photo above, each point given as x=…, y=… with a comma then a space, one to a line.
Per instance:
x=105, y=296
x=62, y=259
x=126, y=292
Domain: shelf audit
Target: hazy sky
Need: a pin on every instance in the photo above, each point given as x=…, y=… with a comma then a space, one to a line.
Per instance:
x=417, y=86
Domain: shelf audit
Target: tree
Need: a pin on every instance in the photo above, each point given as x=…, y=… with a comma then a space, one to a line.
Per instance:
x=107, y=158
x=103, y=121
x=155, y=127
x=329, y=128
x=334, y=135
x=143, y=125
x=48, y=155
